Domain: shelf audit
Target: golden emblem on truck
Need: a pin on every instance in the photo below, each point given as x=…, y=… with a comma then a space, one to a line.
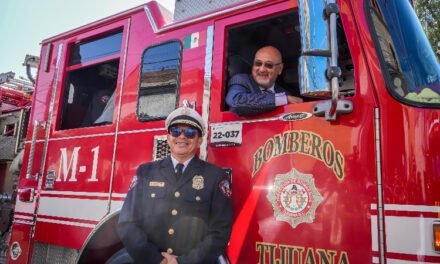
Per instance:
x=294, y=198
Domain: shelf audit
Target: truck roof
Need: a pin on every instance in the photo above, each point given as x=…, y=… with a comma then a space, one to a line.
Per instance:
x=162, y=19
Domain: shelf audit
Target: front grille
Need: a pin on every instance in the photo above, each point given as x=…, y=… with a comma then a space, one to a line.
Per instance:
x=161, y=148
x=51, y=254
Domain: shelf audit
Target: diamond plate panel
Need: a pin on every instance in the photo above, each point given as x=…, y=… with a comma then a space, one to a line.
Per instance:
x=184, y=9
x=161, y=148
x=51, y=254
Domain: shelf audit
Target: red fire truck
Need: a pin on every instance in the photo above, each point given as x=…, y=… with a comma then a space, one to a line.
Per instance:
x=351, y=175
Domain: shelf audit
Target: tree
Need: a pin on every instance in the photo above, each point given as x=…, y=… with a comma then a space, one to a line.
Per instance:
x=428, y=12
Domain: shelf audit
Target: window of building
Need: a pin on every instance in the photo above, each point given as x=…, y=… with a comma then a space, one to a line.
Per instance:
x=9, y=130
x=91, y=79
x=159, y=81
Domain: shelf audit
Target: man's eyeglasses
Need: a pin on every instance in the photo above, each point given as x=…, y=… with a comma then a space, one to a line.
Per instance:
x=267, y=65
x=177, y=131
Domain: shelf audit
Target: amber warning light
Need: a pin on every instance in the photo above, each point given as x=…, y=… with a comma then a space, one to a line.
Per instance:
x=436, y=229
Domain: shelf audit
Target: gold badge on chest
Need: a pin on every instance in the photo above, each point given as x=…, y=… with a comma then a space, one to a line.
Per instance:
x=198, y=182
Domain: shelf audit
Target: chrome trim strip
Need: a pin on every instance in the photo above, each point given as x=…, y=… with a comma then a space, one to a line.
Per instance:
x=151, y=19
x=23, y=222
x=23, y=217
x=37, y=141
x=412, y=208
x=207, y=88
x=51, y=105
x=103, y=134
x=155, y=129
x=20, y=127
x=63, y=222
x=112, y=173
x=84, y=136
x=32, y=151
x=245, y=121
x=119, y=195
x=197, y=19
x=69, y=193
x=141, y=131
x=380, y=208
x=46, y=60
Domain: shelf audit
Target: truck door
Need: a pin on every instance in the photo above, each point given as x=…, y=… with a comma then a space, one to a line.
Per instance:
x=165, y=70
x=77, y=147
x=303, y=187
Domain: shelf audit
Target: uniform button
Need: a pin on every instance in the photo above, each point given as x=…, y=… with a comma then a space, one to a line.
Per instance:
x=170, y=251
x=197, y=198
x=174, y=212
x=171, y=231
x=153, y=195
x=177, y=194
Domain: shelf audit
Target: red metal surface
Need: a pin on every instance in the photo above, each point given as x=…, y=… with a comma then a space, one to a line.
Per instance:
x=344, y=227
x=21, y=234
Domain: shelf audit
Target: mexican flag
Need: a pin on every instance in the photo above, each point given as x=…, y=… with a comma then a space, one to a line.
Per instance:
x=194, y=40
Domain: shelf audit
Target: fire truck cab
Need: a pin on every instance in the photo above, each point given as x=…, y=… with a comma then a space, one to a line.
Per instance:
x=351, y=175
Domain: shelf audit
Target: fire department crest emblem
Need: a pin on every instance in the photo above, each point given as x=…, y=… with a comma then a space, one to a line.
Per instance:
x=294, y=198
x=198, y=182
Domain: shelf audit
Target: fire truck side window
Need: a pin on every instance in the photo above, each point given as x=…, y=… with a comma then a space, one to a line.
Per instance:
x=282, y=32
x=90, y=87
x=158, y=85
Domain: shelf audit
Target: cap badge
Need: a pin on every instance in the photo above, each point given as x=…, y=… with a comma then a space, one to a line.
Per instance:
x=184, y=111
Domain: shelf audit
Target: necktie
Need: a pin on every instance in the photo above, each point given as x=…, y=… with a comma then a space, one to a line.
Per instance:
x=179, y=170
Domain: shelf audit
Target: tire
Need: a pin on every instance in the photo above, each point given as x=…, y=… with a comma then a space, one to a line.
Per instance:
x=120, y=257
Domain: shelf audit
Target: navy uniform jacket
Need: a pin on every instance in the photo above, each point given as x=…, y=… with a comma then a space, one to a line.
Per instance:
x=245, y=97
x=190, y=217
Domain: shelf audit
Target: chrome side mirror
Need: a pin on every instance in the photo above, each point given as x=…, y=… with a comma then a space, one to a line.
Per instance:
x=315, y=49
x=314, y=28
x=312, y=77
x=318, y=66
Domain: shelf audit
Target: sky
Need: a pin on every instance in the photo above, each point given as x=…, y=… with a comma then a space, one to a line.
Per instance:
x=25, y=23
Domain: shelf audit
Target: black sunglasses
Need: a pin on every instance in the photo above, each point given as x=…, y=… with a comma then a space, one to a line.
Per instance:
x=267, y=65
x=177, y=131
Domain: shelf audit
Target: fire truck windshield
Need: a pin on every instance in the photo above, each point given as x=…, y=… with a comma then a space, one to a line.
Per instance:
x=410, y=67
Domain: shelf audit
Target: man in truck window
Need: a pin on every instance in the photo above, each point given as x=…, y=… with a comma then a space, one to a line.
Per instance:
x=258, y=93
x=178, y=210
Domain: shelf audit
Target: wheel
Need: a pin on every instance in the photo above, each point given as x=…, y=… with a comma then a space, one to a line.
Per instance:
x=120, y=257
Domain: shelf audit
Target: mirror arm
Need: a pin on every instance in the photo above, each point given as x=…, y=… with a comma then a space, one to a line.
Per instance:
x=330, y=109
x=331, y=8
x=333, y=74
x=332, y=11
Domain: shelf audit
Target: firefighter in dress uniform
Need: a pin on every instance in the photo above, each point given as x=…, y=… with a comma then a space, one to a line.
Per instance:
x=178, y=210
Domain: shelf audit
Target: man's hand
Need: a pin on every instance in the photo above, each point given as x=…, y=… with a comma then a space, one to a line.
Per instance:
x=294, y=99
x=169, y=259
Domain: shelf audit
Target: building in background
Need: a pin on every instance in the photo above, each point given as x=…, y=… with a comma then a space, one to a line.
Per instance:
x=15, y=104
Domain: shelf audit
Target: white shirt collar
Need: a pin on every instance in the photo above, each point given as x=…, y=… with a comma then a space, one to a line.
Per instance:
x=270, y=89
x=185, y=164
